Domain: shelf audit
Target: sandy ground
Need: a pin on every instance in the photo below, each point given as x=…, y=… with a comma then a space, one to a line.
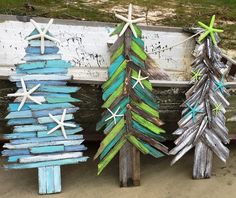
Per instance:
x=158, y=180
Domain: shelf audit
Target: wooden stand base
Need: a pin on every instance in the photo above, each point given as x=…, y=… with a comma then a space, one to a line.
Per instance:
x=49, y=179
x=129, y=166
x=202, y=161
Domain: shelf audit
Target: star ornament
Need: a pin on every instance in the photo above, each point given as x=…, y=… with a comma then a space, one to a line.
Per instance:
x=194, y=110
x=196, y=75
x=60, y=124
x=217, y=109
x=26, y=94
x=220, y=85
x=209, y=30
x=139, y=79
x=114, y=115
x=42, y=34
x=129, y=21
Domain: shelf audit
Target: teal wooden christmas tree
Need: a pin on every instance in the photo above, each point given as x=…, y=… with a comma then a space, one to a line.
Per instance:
x=44, y=130
x=131, y=113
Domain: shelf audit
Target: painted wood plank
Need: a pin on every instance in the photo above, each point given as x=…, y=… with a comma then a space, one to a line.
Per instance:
x=37, y=43
x=45, y=113
x=38, y=98
x=42, y=144
x=42, y=181
x=75, y=148
x=15, y=158
x=58, y=132
x=15, y=78
x=37, y=50
x=19, y=114
x=45, y=139
x=19, y=135
x=50, y=179
x=43, y=71
x=15, y=152
x=47, y=149
x=14, y=107
x=57, y=179
x=42, y=158
x=21, y=121
x=50, y=106
x=30, y=57
x=51, y=99
x=48, y=163
x=44, y=64
x=44, y=120
x=45, y=82
x=29, y=128
x=57, y=89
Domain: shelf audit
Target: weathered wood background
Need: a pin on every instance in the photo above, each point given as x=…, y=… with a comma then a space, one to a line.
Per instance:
x=85, y=44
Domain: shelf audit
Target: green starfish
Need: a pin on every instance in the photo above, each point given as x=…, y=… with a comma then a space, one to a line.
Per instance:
x=196, y=75
x=217, y=109
x=209, y=30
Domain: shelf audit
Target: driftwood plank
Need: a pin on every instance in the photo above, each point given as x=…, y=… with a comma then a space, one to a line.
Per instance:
x=129, y=166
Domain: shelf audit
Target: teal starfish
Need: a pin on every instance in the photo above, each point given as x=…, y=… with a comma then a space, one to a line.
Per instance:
x=193, y=110
x=220, y=85
x=209, y=30
x=196, y=75
x=217, y=109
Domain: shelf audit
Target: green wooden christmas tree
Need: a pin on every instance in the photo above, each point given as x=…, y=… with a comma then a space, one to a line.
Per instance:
x=131, y=116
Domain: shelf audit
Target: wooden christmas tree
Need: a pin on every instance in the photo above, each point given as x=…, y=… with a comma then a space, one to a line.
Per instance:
x=203, y=122
x=131, y=117
x=44, y=130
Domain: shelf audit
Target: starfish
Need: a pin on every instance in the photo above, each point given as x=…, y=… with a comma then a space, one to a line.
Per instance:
x=61, y=124
x=220, y=85
x=25, y=94
x=193, y=110
x=209, y=30
x=217, y=108
x=114, y=115
x=139, y=79
x=196, y=75
x=129, y=21
x=42, y=34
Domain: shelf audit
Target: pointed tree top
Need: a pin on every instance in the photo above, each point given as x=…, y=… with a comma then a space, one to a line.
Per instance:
x=42, y=34
x=129, y=21
x=209, y=30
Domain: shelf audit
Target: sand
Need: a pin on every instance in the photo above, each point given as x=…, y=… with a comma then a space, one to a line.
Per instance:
x=158, y=180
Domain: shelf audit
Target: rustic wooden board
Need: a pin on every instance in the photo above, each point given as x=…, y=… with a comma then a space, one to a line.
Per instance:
x=85, y=44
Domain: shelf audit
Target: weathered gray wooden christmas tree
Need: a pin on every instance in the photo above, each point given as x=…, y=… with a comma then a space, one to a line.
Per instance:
x=44, y=130
x=202, y=125
x=131, y=117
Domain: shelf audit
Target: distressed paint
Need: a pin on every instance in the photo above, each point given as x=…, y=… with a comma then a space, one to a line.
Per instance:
x=85, y=44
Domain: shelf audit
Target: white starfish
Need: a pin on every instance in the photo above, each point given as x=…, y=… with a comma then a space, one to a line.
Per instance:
x=61, y=124
x=129, y=21
x=139, y=79
x=114, y=115
x=42, y=34
x=25, y=94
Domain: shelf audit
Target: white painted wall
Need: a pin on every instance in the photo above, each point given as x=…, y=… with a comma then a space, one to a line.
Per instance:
x=86, y=46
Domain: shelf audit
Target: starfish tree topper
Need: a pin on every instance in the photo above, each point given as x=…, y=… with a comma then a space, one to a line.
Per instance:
x=129, y=21
x=26, y=94
x=42, y=34
x=209, y=30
